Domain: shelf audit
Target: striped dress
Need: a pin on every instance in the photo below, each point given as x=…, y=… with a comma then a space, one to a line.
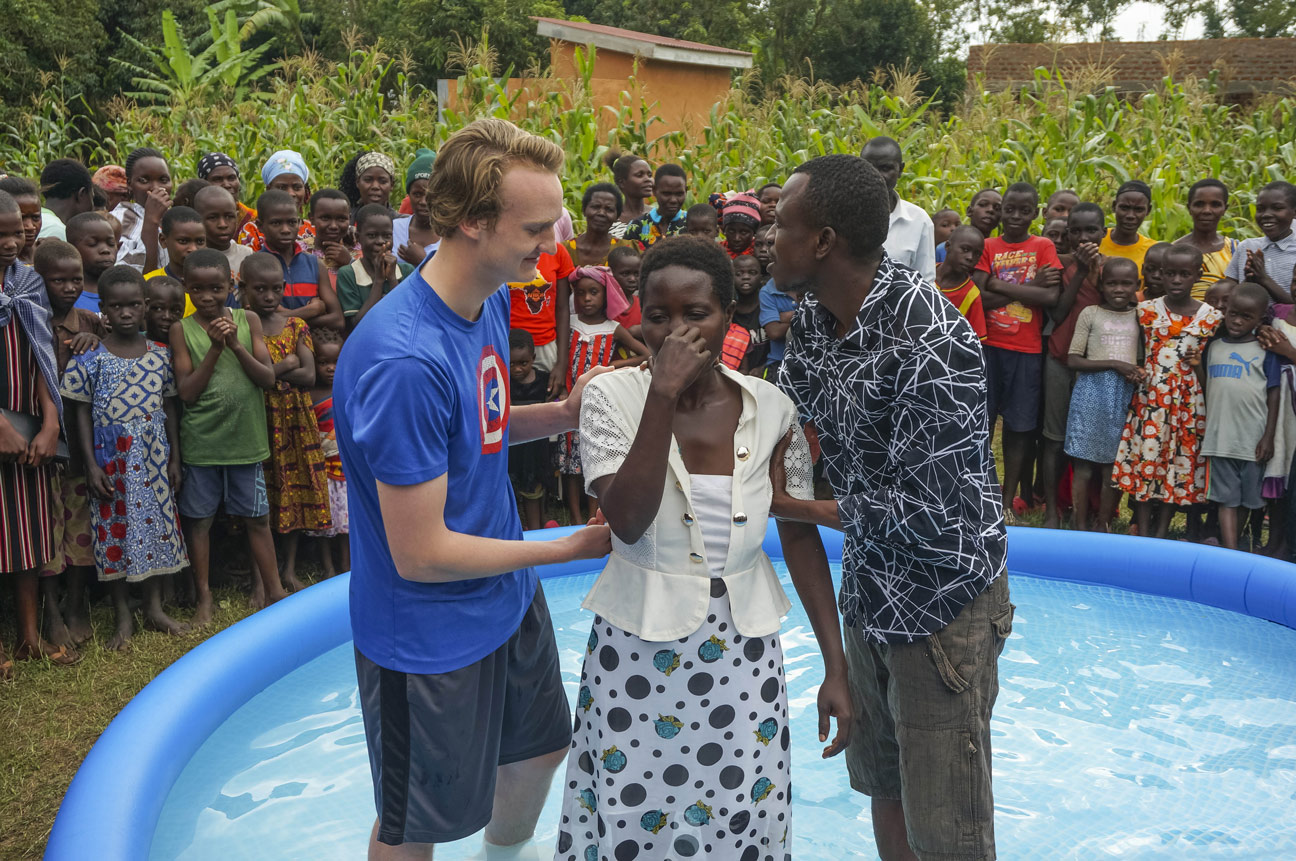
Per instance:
x=591, y=344
x=26, y=523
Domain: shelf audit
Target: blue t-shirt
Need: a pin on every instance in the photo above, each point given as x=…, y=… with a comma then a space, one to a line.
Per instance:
x=421, y=392
x=87, y=301
x=774, y=302
x=301, y=279
x=940, y=253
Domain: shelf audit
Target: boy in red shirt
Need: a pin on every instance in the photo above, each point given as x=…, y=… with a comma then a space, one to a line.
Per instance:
x=963, y=248
x=541, y=307
x=1019, y=277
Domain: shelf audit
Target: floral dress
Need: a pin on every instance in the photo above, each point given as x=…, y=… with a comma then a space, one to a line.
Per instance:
x=136, y=531
x=295, y=477
x=1159, y=457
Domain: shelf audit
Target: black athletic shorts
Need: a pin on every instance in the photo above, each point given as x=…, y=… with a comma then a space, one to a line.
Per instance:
x=435, y=741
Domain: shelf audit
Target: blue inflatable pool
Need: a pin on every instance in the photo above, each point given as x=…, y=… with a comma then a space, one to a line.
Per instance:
x=112, y=808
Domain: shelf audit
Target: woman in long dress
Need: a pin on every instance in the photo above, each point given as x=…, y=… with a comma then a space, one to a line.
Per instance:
x=681, y=745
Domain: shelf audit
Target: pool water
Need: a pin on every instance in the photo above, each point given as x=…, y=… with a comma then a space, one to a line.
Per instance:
x=1127, y=726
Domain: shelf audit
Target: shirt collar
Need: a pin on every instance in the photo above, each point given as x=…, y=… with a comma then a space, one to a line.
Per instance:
x=1287, y=243
x=362, y=276
x=883, y=280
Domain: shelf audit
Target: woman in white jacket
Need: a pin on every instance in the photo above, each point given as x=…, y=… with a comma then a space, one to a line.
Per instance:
x=681, y=745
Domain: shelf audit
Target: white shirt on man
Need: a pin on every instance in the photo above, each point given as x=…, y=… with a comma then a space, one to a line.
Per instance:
x=911, y=239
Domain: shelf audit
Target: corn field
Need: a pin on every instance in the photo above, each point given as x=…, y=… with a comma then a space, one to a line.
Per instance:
x=1055, y=132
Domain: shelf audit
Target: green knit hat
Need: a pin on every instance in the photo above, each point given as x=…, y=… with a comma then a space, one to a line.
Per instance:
x=420, y=168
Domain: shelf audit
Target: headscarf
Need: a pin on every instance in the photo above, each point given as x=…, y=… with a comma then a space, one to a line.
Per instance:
x=743, y=209
x=110, y=177
x=23, y=297
x=284, y=161
x=213, y=160
x=376, y=159
x=617, y=303
x=420, y=168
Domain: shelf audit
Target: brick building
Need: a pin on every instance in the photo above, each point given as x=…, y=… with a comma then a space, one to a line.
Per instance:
x=1246, y=66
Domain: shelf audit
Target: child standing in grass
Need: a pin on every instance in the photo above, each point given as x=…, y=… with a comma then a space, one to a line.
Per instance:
x=334, y=541
x=1159, y=457
x=1019, y=277
x=1242, y=398
x=125, y=420
x=593, y=337
x=1269, y=260
x=943, y=224
x=182, y=231
x=624, y=262
x=1153, y=278
x=295, y=481
x=29, y=431
x=334, y=246
x=747, y=309
x=75, y=331
x=1104, y=356
x=222, y=367
x=702, y=220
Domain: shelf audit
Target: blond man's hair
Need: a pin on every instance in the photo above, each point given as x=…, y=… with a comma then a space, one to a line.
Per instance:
x=466, y=178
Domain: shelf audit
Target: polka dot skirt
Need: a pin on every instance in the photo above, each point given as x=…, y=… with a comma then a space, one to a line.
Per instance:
x=680, y=749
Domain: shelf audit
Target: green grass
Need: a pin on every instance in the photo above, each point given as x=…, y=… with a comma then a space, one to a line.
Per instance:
x=51, y=716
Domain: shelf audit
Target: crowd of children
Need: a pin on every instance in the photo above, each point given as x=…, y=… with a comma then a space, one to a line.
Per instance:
x=166, y=360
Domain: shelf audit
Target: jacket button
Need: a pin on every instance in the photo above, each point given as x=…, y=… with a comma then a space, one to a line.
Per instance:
x=743, y=452
x=688, y=519
x=740, y=519
x=679, y=486
x=696, y=557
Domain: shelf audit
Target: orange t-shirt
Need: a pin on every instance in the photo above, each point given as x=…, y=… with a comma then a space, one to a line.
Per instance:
x=532, y=304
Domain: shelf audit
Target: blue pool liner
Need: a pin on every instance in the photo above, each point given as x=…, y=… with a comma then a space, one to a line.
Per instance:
x=111, y=809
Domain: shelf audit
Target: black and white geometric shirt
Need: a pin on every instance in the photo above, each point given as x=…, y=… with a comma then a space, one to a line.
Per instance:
x=899, y=404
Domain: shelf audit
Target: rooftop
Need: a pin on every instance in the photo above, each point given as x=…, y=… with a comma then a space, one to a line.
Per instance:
x=645, y=45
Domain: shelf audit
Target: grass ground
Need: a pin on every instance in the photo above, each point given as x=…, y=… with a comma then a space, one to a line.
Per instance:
x=50, y=716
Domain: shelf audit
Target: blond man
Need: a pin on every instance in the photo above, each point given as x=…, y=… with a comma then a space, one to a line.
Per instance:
x=464, y=711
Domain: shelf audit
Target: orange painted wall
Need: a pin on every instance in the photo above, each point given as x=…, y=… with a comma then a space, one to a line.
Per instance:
x=684, y=93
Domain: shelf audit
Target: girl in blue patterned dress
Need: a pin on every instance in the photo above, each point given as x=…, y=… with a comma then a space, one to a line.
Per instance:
x=125, y=422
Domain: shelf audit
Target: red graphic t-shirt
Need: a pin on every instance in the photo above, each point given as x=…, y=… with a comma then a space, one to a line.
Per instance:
x=1017, y=326
x=531, y=305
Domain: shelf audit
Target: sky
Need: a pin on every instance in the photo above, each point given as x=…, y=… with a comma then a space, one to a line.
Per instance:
x=1142, y=22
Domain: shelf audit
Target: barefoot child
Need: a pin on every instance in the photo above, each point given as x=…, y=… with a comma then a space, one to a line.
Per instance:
x=76, y=330
x=221, y=367
x=1104, y=355
x=1159, y=457
x=530, y=463
x=334, y=542
x=1242, y=398
x=1019, y=277
x=963, y=249
x=29, y=432
x=361, y=283
x=91, y=234
x=294, y=472
x=593, y=336
x=125, y=420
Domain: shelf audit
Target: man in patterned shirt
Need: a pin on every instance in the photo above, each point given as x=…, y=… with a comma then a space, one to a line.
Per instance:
x=893, y=378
